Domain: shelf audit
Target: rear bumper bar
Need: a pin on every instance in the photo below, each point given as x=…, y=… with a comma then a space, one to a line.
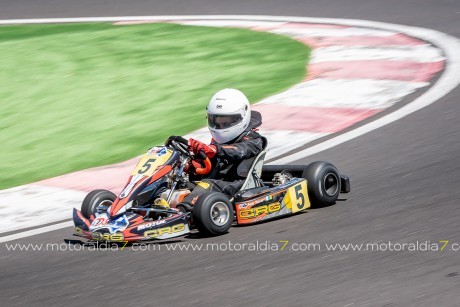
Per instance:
x=345, y=186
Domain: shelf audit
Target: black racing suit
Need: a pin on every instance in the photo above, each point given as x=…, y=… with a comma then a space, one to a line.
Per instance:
x=226, y=176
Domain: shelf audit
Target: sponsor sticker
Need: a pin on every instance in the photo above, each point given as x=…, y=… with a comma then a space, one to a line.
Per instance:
x=150, y=224
x=107, y=236
x=157, y=151
x=204, y=185
x=169, y=230
x=255, y=212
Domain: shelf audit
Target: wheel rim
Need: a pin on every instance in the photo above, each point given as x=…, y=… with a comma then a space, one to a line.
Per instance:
x=331, y=184
x=219, y=214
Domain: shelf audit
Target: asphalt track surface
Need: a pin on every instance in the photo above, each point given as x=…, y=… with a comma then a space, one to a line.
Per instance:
x=405, y=179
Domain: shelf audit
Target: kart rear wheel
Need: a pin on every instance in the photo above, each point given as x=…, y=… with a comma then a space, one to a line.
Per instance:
x=95, y=199
x=323, y=181
x=213, y=214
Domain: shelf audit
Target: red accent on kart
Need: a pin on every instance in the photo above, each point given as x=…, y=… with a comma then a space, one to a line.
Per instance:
x=207, y=168
x=84, y=219
x=137, y=220
x=119, y=203
x=160, y=172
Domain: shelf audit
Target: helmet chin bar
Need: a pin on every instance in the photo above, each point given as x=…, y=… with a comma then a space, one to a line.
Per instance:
x=223, y=136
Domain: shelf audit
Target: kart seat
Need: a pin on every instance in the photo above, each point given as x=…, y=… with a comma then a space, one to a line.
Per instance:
x=253, y=173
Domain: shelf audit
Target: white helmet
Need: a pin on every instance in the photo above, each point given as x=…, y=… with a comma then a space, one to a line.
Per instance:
x=229, y=114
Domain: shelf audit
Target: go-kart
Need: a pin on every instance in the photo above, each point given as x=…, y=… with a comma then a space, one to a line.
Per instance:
x=150, y=205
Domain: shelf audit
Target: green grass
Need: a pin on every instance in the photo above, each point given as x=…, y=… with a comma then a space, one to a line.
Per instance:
x=81, y=95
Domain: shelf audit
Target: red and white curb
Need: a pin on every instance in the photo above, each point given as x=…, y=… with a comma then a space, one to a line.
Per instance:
x=357, y=69
x=347, y=80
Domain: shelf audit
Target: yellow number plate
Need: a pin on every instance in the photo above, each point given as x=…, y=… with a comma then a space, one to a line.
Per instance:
x=297, y=197
x=151, y=160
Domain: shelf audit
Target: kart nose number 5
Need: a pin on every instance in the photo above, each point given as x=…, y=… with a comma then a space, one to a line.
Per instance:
x=150, y=162
x=299, y=197
x=146, y=166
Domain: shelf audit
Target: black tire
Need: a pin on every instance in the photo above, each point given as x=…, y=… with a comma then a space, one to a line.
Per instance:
x=323, y=181
x=94, y=199
x=213, y=214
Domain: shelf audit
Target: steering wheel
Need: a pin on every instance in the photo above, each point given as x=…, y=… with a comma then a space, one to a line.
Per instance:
x=181, y=144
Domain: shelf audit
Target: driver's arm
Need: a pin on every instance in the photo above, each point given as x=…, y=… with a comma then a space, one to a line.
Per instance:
x=248, y=147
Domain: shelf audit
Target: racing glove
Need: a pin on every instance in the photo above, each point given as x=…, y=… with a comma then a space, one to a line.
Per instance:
x=196, y=146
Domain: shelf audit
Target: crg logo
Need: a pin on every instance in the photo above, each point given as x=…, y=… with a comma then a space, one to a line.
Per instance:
x=107, y=236
x=164, y=231
x=255, y=212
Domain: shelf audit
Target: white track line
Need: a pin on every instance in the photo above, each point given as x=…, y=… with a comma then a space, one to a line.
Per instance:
x=418, y=53
x=321, y=32
x=348, y=93
x=448, y=80
x=36, y=231
x=233, y=23
x=39, y=200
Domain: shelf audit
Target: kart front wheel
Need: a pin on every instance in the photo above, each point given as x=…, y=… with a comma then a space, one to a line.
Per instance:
x=213, y=214
x=95, y=199
x=323, y=181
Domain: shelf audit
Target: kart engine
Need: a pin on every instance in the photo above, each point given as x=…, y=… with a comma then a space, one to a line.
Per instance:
x=281, y=178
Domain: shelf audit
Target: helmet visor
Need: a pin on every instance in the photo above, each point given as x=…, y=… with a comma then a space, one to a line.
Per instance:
x=223, y=121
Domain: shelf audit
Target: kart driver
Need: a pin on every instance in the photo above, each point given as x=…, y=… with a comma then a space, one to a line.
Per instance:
x=234, y=145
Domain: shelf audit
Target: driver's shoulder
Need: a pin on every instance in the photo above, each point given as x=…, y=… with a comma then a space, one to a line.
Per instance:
x=251, y=135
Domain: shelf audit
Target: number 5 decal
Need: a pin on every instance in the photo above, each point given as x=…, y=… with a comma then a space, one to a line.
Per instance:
x=299, y=197
x=146, y=166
